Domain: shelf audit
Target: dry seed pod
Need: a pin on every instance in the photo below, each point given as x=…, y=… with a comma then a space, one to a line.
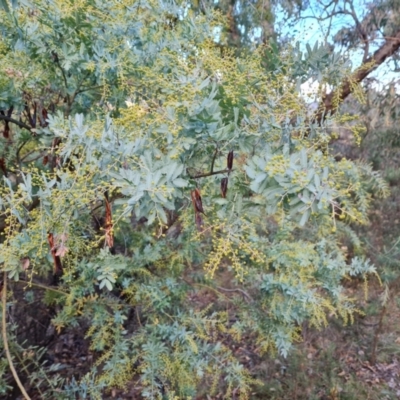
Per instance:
x=6, y=131
x=229, y=160
x=3, y=166
x=224, y=187
x=196, y=200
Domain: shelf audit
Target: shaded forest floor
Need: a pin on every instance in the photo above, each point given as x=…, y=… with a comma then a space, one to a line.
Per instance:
x=338, y=362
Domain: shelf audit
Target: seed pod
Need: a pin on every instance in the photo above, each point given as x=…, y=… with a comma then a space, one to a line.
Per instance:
x=224, y=187
x=45, y=160
x=196, y=200
x=3, y=166
x=229, y=160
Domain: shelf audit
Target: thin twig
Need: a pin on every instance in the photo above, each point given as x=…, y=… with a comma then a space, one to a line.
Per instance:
x=203, y=175
x=19, y=150
x=27, y=154
x=245, y=294
x=63, y=75
x=88, y=88
x=43, y=287
x=5, y=341
x=36, y=158
x=361, y=31
x=138, y=316
x=213, y=160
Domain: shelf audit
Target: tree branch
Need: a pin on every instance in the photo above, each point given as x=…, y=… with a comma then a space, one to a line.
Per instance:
x=386, y=50
x=88, y=88
x=221, y=171
x=14, y=121
x=57, y=61
x=50, y=288
x=213, y=160
x=361, y=31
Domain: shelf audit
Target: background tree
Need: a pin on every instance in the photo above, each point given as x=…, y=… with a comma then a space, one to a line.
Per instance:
x=245, y=23
x=368, y=31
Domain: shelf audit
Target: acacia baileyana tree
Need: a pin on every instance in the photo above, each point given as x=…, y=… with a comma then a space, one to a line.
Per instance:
x=183, y=199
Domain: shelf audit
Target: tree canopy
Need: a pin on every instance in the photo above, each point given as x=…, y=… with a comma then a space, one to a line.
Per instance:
x=180, y=195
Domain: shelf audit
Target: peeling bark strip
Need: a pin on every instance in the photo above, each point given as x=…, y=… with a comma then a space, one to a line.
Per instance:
x=108, y=225
x=391, y=45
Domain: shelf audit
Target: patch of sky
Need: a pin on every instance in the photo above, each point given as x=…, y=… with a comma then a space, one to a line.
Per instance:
x=320, y=23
